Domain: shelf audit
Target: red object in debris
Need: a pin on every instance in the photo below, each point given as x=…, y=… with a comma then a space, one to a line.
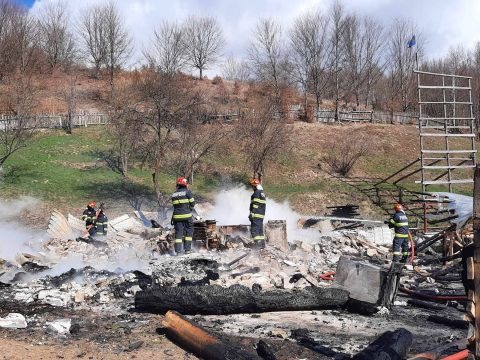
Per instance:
x=328, y=276
x=458, y=356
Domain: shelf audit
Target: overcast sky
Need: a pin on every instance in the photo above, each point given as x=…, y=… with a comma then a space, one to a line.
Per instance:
x=444, y=23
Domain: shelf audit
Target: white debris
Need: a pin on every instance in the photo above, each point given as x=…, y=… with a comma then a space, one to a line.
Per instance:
x=60, y=326
x=13, y=321
x=53, y=297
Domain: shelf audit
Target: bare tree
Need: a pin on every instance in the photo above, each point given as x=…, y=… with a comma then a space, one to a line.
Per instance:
x=195, y=141
x=169, y=49
x=126, y=124
x=268, y=60
x=118, y=41
x=170, y=102
x=17, y=39
x=363, y=45
x=70, y=96
x=402, y=59
x=262, y=135
x=237, y=70
x=15, y=133
x=310, y=54
x=374, y=49
x=55, y=39
x=93, y=32
x=337, y=28
x=204, y=41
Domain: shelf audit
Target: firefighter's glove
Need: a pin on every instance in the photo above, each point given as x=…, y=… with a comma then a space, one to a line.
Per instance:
x=386, y=222
x=250, y=218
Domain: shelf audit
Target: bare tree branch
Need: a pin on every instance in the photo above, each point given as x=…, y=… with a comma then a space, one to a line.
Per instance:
x=204, y=41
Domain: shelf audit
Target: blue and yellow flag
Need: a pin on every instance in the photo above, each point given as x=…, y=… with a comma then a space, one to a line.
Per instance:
x=412, y=42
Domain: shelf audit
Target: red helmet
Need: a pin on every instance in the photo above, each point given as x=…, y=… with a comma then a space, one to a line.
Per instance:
x=398, y=207
x=92, y=204
x=254, y=182
x=182, y=181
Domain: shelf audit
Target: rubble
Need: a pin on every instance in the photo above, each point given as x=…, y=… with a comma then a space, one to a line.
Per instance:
x=60, y=326
x=13, y=321
x=132, y=264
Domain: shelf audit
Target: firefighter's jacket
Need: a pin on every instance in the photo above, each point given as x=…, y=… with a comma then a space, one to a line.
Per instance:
x=399, y=222
x=89, y=216
x=101, y=224
x=258, y=203
x=183, y=203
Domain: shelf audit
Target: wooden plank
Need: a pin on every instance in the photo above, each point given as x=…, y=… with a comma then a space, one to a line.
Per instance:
x=438, y=167
x=448, y=151
x=470, y=268
x=447, y=135
x=438, y=182
x=470, y=309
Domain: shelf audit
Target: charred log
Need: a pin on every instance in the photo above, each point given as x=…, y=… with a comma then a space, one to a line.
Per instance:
x=389, y=346
x=197, y=340
x=215, y=300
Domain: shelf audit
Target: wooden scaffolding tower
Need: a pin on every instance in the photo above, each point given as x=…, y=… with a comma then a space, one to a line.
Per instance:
x=447, y=129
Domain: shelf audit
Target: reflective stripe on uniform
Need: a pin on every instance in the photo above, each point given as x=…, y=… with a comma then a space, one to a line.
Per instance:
x=188, y=238
x=191, y=200
x=259, y=200
x=178, y=241
x=259, y=237
x=397, y=253
x=255, y=206
x=401, y=224
x=182, y=216
x=401, y=235
x=259, y=216
x=181, y=201
x=405, y=253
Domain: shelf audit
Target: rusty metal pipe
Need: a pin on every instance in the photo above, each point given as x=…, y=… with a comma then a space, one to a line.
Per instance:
x=195, y=339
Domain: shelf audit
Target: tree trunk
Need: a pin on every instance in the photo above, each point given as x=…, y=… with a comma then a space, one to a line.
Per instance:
x=201, y=73
x=214, y=299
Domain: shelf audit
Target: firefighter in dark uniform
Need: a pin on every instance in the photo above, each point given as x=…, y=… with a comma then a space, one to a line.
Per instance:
x=183, y=204
x=399, y=222
x=101, y=224
x=90, y=217
x=258, y=204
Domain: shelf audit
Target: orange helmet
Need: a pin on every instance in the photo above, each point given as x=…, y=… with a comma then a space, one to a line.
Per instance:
x=92, y=204
x=254, y=182
x=398, y=207
x=182, y=181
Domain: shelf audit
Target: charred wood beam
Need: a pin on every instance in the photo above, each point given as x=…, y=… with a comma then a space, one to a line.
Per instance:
x=389, y=346
x=453, y=323
x=193, y=338
x=216, y=300
x=423, y=245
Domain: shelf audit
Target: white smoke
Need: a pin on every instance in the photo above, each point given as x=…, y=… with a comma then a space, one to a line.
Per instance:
x=14, y=237
x=231, y=207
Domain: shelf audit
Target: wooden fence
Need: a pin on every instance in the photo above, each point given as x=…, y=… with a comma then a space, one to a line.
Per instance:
x=12, y=122
x=378, y=117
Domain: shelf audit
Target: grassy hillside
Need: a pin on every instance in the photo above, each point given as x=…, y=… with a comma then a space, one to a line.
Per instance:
x=67, y=170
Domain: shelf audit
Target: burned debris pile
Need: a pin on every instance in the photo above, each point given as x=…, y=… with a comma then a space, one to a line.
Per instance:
x=332, y=273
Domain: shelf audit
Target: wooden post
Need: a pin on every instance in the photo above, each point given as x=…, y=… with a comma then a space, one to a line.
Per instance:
x=476, y=260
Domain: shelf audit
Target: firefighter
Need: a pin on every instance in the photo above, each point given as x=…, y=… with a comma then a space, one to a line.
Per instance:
x=399, y=222
x=257, y=213
x=90, y=217
x=183, y=204
x=101, y=224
